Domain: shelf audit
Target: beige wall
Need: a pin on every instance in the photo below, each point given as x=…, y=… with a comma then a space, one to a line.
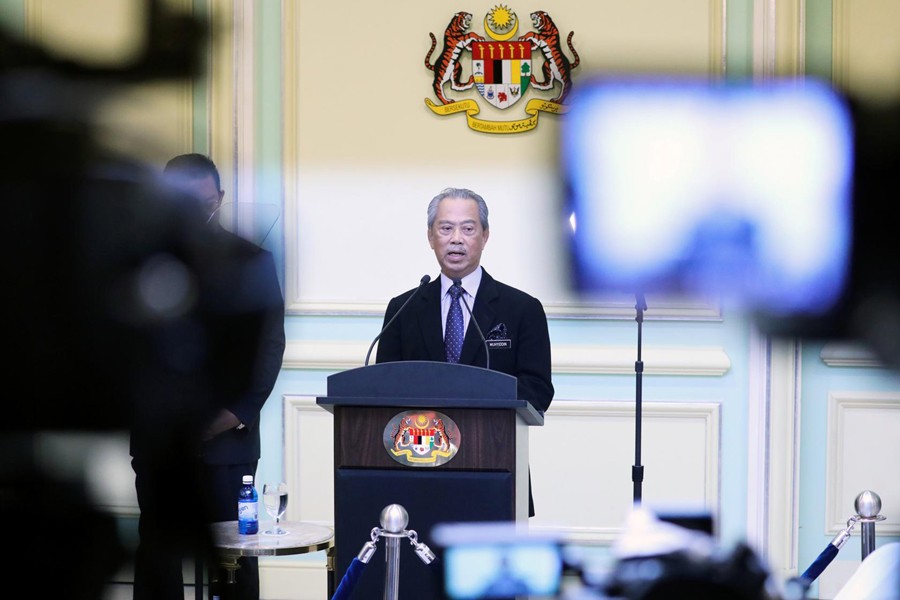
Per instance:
x=867, y=47
x=361, y=80
x=365, y=154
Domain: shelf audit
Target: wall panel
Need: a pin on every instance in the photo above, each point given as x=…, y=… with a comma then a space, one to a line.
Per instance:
x=863, y=454
x=363, y=154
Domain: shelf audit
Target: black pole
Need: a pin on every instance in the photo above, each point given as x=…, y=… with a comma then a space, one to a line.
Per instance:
x=637, y=471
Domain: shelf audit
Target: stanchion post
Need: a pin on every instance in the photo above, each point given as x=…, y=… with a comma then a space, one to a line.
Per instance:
x=868, y=507
x=394, y=519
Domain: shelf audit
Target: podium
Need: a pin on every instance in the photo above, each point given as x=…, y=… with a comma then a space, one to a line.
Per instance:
x=486, y=479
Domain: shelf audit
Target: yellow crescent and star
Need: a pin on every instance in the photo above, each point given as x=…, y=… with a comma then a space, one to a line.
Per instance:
x=500, y=24
x=500, y=17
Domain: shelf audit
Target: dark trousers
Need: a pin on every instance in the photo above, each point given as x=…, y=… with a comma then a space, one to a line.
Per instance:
x=176, y=502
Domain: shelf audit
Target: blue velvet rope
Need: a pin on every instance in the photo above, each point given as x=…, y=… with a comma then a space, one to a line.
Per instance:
x=348, y=581
x=818, y=565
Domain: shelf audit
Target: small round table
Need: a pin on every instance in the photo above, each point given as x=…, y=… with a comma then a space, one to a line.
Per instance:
x=300, y=539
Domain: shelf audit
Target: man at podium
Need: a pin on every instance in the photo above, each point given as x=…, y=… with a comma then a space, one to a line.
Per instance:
x=510, y=332
x=499, y=339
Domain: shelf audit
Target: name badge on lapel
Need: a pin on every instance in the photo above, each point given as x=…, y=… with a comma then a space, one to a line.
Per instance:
x=498, y=338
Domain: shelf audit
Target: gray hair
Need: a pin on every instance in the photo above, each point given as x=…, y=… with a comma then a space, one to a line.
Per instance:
x=461, y=193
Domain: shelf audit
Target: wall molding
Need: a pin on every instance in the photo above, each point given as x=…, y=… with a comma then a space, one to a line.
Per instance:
x=718, y=35
x=840, y=44
x=308, y=460
x=303, y=579
x=835, y=354
x=758, y=408
x=300, y=177
x=790, y=29
x=244, y=88
x=553, y=447
x=783, y=457
x=290, y=40
x=862, y=454
x=572, y=430
x=567, y=359
x=661, y=309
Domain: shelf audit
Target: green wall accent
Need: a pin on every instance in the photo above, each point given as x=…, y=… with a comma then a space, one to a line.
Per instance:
x=819, y=35
x=269, y=121
x=12, y=15
x=200, y=131
x=739, y=39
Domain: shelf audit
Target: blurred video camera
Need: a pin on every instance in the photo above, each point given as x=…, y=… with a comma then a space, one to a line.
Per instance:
x=91, y=227
x=765, y=197
x=111, y=300
x=657, y=556
x=498, y=560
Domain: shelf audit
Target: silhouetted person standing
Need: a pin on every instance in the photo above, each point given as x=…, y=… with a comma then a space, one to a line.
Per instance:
x=243, y=357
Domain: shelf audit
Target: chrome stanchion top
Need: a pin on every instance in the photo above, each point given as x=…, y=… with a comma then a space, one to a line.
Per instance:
x=868, y=505
x=394, y=518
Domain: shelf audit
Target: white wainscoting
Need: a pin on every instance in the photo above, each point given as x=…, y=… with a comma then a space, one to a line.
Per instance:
x=580, y=463
x=863, y=454
x=284, y=579
x=309, y=466
x=309, y=460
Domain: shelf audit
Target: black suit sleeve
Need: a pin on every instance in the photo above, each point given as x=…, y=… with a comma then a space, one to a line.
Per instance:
x=270, y=351
x=533, y=357
x=390, y=347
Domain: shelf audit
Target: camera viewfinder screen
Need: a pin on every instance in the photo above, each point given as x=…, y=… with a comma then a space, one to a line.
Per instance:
x=498, y=570
x=742, y=191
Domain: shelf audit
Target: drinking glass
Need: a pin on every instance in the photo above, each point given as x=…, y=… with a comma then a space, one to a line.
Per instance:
x=275, y=498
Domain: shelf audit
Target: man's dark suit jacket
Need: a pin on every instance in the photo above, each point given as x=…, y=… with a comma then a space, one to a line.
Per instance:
x=417, y=334
x=254, y=314
x=238, y=331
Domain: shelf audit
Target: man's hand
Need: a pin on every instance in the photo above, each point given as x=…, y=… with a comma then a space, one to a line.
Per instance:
x=224, y=421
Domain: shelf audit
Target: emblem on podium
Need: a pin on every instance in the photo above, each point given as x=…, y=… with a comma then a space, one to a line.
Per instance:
x=417, y=438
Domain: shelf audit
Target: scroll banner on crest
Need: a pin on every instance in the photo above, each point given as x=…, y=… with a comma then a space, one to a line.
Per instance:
x=470, y=107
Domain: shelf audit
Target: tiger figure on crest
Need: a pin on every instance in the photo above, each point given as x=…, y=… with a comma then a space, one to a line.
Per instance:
x=447, y=67
x=556, y=66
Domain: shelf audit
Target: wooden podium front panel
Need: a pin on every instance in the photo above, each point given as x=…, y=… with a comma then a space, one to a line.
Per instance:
x=488, y=439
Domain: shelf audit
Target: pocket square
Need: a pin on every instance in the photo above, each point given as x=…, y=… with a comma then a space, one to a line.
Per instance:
x=498, y=332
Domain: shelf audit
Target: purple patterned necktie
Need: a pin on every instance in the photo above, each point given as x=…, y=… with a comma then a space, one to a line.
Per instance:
x=453, y=336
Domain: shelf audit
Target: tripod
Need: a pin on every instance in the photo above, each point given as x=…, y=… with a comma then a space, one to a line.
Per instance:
x=637, y=470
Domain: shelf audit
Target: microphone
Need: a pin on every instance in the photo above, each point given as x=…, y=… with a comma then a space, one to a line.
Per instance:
x=487, y=353
x=425, y=279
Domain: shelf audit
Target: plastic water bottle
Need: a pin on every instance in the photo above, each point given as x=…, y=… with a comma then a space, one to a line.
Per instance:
x=248, y=507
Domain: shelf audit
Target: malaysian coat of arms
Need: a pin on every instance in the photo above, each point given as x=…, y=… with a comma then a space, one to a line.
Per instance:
x=421, y=439
x=504, y=65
